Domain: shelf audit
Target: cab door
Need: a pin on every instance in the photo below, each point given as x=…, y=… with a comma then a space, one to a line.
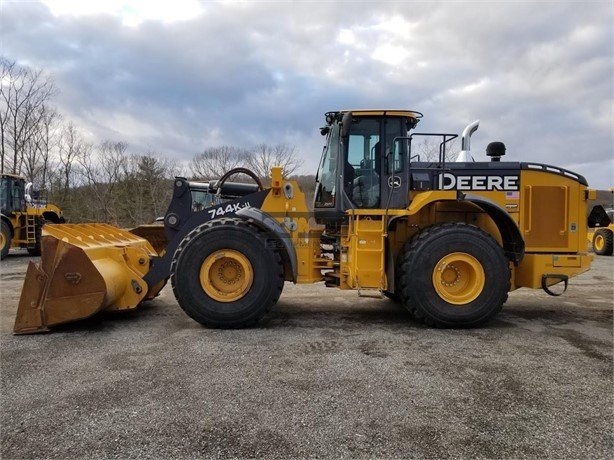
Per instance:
x=394, y=167
x=363, y=159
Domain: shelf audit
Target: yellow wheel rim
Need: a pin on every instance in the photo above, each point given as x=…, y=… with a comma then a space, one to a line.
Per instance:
x=599, y=242
x=226, y=275
x=2, y=240
x=459, y=278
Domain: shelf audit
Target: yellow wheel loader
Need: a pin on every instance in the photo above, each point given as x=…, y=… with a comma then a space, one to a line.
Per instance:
x=24, y=212
x=447, y=240
x=601, y=236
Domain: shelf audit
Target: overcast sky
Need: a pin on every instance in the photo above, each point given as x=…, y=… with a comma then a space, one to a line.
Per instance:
x=179, y=76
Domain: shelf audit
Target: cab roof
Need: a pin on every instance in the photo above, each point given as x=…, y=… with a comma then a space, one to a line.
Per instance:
x=13, y=176
x=412, y=115
x=384, y=112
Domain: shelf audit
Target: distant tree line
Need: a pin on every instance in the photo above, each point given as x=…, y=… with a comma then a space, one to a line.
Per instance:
x=105, y=182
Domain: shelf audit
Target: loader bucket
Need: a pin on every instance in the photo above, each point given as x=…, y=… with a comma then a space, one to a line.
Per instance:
x=84, y=269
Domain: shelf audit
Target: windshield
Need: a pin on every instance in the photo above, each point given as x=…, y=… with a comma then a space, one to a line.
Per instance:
x=325, y=187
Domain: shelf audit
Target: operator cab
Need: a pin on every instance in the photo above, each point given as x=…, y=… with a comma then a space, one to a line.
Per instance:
x=364, y=162
x=12, y=193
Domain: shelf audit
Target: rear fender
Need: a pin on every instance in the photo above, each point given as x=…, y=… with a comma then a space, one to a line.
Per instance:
x=598, y=217
x=513, y=243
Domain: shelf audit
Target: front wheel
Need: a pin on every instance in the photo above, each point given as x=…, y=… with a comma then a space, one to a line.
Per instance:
x=453, y=274
x=603, y=243
x=225, y=274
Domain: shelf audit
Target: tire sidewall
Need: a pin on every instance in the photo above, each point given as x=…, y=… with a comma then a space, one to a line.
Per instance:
x=607, y=236
x=469, y=240
x=6, y=233
x=204, y=309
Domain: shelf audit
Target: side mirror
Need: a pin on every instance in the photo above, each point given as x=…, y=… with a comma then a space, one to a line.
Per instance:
x=346, y=123
x=324, y=130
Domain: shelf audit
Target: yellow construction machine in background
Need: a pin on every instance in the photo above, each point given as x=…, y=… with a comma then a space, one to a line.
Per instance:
x=447, y=240
x=602, y=239
x=601, y=235
x=24, y=212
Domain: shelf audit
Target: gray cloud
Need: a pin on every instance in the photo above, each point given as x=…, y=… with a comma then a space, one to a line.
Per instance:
x=539, y=76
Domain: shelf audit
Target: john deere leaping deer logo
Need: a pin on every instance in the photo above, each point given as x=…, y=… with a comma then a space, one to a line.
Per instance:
x=394, y=182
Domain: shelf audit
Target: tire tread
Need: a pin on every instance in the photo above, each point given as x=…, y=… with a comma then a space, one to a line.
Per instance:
x=608, y=238
x=407, y=256
x=185, y=243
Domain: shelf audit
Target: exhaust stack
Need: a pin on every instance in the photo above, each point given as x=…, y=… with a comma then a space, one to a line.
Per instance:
x=465, y=153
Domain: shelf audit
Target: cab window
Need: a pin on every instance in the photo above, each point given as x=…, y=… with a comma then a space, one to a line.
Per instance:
x=327, y=172
x=396, y=149
x=364, y=158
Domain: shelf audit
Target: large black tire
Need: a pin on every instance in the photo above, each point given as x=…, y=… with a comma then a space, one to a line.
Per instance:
x=226, y=253
x=5, y=240
x=603, y=243
x=392, y=296
x=453, y=275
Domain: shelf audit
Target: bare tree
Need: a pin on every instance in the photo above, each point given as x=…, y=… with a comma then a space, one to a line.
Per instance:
x=23, y=92
x=37, y=150
x=215, y=161
x=48, y=140
x=6, y=100
x=103, y=172
x=428, y=149
x=263, y=157
x=72, y=147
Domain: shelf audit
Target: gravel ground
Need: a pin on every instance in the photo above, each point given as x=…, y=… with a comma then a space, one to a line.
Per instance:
x=326, y=375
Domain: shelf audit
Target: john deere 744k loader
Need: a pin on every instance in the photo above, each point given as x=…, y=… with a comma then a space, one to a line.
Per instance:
x=446, y=240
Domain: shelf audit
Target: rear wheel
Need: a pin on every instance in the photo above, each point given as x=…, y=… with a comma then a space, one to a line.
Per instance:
x=225, y=275
x=453, y=274
x=603, y=243
x=392, y=296
x=5, y=240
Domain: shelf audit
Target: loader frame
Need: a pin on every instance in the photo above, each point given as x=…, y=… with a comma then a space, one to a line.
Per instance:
x=447, y=240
